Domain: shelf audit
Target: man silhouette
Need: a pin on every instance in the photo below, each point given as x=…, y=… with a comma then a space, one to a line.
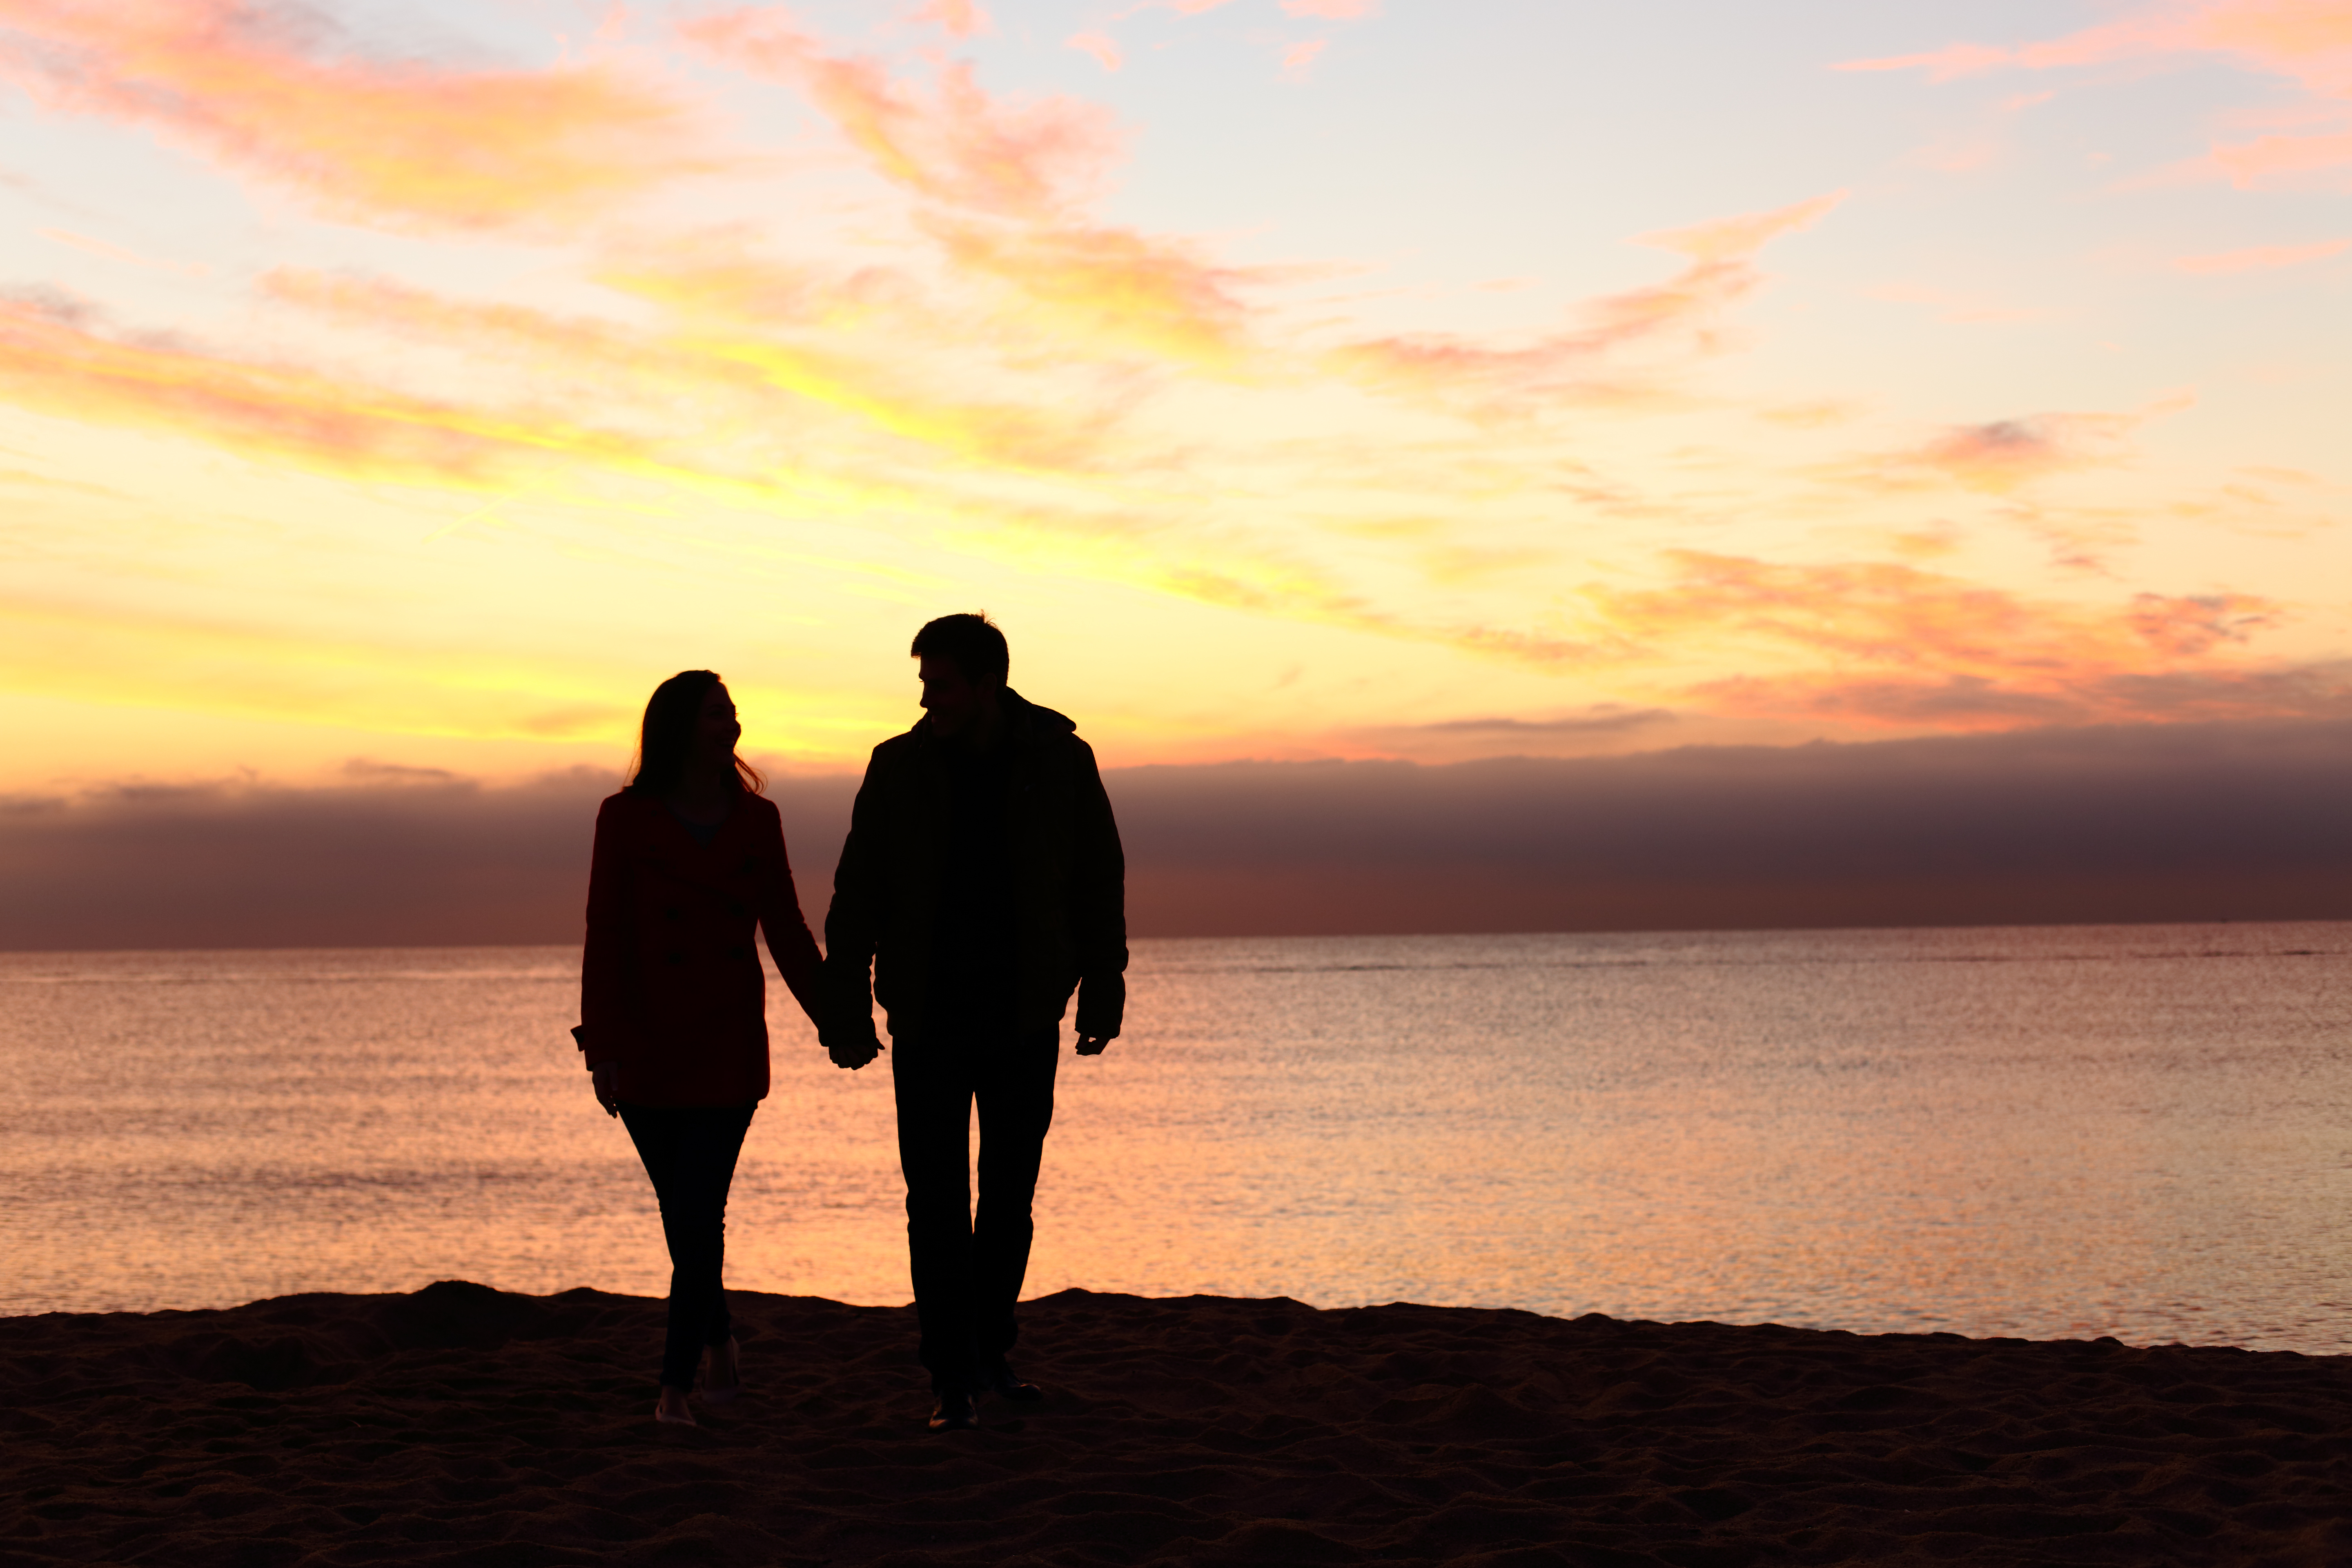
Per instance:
x=983, y=879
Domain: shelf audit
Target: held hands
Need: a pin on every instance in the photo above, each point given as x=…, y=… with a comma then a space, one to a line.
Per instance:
x=1092, y=1045
x=853, y=1052
x=602, y=1076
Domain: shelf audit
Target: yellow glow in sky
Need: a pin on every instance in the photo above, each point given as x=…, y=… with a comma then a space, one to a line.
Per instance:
x=424, y=384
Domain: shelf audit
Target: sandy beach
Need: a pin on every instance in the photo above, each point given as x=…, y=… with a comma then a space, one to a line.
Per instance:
x=463, y=1425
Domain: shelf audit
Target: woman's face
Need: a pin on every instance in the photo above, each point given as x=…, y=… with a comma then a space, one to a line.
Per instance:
x=715, y=729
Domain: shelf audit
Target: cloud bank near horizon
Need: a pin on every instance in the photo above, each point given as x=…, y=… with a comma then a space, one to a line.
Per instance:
x=2105, y=824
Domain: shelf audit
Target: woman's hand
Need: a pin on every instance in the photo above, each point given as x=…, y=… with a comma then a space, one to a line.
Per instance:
x=854, y=1053
x=605, y=1076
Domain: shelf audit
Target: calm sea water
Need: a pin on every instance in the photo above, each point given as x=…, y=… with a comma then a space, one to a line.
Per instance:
x=2142, y=1131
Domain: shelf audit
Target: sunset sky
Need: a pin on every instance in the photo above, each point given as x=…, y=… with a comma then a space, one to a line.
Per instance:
x=406, y=384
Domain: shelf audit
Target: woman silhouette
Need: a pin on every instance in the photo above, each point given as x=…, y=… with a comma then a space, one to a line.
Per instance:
x=673, y=1013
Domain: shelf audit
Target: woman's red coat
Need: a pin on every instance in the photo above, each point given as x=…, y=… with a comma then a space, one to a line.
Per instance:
x=671, y=987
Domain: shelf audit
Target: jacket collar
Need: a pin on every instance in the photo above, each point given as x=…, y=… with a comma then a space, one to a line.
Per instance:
x=1026, y=724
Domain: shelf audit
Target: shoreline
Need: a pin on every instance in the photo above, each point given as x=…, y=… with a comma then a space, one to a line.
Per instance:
x=462, y=1424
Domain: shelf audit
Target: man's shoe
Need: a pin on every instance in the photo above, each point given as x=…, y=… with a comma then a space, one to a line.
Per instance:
x=999, y=1378
x=954, y=1412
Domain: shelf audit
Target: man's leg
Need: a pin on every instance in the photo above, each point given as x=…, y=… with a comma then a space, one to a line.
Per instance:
x=931, y=1081
x=1015, y=1092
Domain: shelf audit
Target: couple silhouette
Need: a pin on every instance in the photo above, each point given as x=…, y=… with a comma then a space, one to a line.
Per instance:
x=981, y=885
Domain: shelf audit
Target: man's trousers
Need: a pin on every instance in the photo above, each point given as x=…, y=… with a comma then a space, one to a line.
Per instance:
x=967, y=1265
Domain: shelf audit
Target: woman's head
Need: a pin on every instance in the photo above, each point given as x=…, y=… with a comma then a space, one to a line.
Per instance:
x=689, y=726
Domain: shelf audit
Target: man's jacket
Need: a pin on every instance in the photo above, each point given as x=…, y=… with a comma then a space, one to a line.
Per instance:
x=1067, y=902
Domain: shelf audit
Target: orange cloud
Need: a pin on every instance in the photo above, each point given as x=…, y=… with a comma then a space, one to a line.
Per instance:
x=1912, y=647
x=1102, y=46
x=405, y=144
x=961, y=18
x=2309, y=41
x=1999, y=457
x=720, y=346
x=51, y=361
x=1299, y=58
x=2260, y=257
x=957, y=145
x=1111, y=289
x=1332, y=10
x=1488, y=381
x=116, y=253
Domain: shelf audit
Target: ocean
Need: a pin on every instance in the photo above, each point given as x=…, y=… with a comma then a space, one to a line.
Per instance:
x=2051, y=1132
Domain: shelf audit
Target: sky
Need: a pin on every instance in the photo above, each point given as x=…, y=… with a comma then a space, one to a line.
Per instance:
x=392, y=393
x=416, y=385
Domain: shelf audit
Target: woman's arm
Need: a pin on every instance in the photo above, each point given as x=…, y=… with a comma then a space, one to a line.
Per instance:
x=604, y=1022
x=789, y=941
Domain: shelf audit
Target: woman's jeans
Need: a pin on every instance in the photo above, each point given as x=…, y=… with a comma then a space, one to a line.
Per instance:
x=689, y=1152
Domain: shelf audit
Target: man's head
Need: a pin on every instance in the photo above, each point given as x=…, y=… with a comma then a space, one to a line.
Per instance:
x=962, y=661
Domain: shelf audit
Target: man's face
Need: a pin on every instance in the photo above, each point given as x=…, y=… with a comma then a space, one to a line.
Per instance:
x=948, y=697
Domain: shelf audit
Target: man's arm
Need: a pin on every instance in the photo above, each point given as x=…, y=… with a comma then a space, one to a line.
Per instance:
x=852, y=925
x=1099, y=915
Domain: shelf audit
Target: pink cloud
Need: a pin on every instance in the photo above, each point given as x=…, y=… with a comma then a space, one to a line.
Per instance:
x=1575, y=365
x=958, y=144
x=1102, y=46
x=1299, y=56
x=116, y=253
x=2260, y=257
x=1912, y=647
x=1332, y=10
x=1999, y=457
x=1111, y=289
x=2307, y=41
x=961, y=18
x=408, y=144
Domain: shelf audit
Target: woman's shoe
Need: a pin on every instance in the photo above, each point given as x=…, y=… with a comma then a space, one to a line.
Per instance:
x=673, y=1411
x=954, y=1412
x=732, y=1390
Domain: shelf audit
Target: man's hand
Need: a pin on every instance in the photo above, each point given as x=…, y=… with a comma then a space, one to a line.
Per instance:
x=602, y=1076
x=1092, y=1045
x=854, y=1053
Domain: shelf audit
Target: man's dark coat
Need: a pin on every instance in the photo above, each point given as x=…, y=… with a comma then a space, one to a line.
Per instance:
x=1068, y=900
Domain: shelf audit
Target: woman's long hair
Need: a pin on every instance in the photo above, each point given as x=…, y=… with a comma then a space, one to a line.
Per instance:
x=666, y=738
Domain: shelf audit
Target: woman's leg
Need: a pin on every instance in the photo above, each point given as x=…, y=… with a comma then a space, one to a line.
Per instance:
x=689, y=1152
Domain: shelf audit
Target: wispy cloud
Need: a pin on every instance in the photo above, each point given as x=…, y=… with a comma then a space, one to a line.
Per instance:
x=958, y=18
x=2260, y=257
x=956, y=143
x=1906, y=646
x=402, y=144
x=1999, y=455
x=99, y=247
x=1101, y=46
x=1684, y=314
x=1299, y=58
x=2308, y=41
x=1110, y=290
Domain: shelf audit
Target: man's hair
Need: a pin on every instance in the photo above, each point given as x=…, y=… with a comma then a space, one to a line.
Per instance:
x=972, y=642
